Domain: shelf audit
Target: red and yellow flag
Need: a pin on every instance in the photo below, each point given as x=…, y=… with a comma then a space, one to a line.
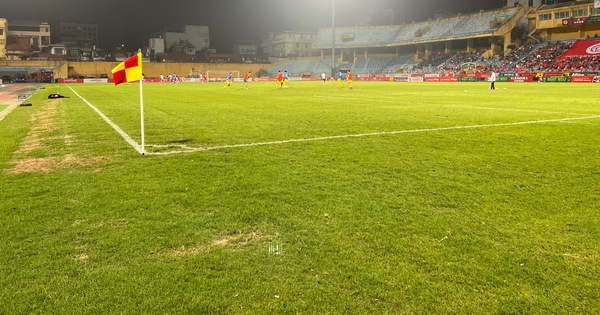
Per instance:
x=128, y=70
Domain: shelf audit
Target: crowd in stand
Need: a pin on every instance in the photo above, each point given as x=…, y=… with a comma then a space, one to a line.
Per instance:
x=452, y=63
x=514, y=55
x=526, y=58
x=455, y=64
x=544, y=58
x=432, y=61
x=577, y=64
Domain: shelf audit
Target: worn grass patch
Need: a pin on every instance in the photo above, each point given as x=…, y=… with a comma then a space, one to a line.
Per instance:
x=234, y=241
x=48, y=138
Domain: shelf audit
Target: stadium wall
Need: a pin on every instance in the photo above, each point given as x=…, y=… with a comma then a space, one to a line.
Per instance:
x=62, y=69
x=151, y=69
x=50, y=64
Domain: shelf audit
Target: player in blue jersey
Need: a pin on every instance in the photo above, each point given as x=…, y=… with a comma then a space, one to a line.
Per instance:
x=339, y=78
x=228, y=82
x=286, y=79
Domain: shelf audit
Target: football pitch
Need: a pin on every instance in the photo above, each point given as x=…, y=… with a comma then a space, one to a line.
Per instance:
x=389, y=198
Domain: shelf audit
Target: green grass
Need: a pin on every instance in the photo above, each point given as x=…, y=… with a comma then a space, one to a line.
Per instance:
x=429, y=218
x=3, y=107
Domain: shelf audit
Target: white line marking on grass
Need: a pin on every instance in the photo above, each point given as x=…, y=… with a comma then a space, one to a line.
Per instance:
x=255, y=144
x=518, y=110
x=118, y=129
x=412, y=103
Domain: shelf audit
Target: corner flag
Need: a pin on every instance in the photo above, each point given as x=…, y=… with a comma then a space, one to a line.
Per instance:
x=128, y=70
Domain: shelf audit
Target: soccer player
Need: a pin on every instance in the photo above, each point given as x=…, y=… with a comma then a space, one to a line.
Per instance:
x=324, y=77
x=339, y=78
x=350, y=77
x=279, y=80
x=286, y=79
x=246, y=78
x=228, y=82
x=493, y=80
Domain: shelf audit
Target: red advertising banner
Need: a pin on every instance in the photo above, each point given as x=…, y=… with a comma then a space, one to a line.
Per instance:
x=583, y=48
x=441, y=79
x=582, y=79
x=70, y=80
x=526, y=78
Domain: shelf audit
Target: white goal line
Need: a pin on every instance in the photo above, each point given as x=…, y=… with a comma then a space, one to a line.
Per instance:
x=187, y=149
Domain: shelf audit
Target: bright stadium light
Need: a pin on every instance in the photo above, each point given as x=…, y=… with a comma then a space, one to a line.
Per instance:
x=333, y=37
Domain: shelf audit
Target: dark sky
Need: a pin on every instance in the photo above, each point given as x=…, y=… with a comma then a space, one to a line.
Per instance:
x=129, y=21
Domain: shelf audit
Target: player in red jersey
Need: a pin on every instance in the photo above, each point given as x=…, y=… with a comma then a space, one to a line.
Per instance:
x=279, y=80
x=246, y=79
x=350, y=77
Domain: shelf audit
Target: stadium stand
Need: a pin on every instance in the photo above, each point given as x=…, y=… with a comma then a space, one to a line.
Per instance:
x=363, y=66
x=423, y=32
x=297, y=68
x=543, y=58
x=459, y=27
x=532, y=57
x=516, y=55
x=577, y=64
x=369, y=66
x=433, y=61
x=433, y=56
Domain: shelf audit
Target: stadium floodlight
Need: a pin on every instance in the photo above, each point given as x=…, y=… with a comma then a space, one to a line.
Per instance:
x=332, y=37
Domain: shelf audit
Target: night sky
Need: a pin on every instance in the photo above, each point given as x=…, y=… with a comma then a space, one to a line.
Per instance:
x=129, y=21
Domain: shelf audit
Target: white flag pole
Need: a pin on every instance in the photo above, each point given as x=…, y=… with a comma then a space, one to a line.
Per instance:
x=142, y=115
x=143, y=151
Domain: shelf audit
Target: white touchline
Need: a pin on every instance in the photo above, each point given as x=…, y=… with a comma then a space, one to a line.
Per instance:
x=123, y=134
x=518, y=110
x=255, y=144
x=461, y=106
x=187, y=149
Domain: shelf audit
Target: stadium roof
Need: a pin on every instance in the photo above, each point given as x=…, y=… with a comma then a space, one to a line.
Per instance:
x=481, y=24
x=564, y=4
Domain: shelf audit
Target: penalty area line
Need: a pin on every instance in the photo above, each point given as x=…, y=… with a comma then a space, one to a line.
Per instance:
x=187, y=149
x=118, y=129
